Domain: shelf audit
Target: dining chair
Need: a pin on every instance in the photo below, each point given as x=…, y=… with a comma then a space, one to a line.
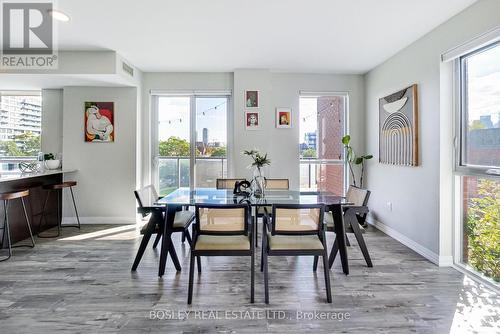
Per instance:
x=353, y=216
x=227, y=183
x=269, y=184
x=147, y=196
x=294, y=229
x=222, y=230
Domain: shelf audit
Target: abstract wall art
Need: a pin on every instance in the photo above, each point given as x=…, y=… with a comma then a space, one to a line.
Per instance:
x=398, y=128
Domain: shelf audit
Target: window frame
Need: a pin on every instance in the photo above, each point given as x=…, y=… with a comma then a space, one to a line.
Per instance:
x=192, y=95
x=462, y=170
x=343, y=161
x=461, y=113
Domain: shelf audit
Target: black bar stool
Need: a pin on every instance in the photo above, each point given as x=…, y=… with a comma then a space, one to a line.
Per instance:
x=6, y=198
x=58, y=188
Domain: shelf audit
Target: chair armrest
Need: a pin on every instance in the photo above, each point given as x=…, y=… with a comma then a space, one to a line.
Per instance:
x=148, y=210
x=356, y=209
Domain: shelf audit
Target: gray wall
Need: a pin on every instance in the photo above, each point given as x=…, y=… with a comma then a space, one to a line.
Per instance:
x=106, y=171
x=276, y=90
x=414, y=192
x=282, y=90
x=52, y=131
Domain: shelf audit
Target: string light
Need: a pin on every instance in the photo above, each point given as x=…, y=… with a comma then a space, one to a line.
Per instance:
x=204, y=113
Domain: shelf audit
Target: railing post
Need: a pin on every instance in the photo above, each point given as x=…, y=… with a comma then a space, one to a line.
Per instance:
x=178, y=172
x=309, y=174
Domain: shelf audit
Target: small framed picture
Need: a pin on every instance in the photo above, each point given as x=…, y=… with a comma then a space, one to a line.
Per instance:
x=283, y=118
x=252, y=121
x=252, y=98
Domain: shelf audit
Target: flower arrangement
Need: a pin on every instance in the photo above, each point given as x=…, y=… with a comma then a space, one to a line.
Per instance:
x=259, y=160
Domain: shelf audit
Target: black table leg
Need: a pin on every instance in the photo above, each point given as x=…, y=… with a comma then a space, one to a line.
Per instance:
x=341, y=243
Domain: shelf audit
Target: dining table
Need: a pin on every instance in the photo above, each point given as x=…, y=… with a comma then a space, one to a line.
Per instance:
x=190, y=197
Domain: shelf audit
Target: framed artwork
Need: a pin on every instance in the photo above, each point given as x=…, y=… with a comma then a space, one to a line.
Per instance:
x=252, y=120
x=398, y=128
x=283, y=118
x=99, y=122
x=252, y=98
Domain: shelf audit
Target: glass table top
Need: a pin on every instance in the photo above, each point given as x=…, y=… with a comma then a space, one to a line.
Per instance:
x=187, y=196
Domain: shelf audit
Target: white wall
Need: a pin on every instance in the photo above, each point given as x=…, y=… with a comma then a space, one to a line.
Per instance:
x=415, y=191
x=106, y=171
x=276, y=90
x=52, y=127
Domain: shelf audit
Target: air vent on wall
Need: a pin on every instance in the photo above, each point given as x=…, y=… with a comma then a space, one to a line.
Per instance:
x=128, y=69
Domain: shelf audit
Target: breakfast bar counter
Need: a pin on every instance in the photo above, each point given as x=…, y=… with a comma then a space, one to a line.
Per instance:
x=34, y=203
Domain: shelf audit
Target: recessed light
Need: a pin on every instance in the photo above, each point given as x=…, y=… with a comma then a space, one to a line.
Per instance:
x=59, y=16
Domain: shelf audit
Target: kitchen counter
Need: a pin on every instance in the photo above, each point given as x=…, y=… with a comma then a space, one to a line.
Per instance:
x=34, y=182
x=6, y=177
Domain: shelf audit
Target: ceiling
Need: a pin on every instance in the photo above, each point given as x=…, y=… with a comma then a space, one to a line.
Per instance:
x=343, y=36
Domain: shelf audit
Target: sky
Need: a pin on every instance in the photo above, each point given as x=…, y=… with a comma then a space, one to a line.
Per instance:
x=308, y=116
x=173, y=117
x=484, y=84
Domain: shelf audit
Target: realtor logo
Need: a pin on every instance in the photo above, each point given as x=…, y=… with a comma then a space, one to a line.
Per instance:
x=27, y=36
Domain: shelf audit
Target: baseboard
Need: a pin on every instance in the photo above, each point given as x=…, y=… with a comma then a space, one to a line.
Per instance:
x=446, y=261
x=415, y=246
x=99, y=220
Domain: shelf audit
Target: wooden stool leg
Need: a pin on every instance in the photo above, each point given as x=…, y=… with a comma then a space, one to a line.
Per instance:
x=6, y=230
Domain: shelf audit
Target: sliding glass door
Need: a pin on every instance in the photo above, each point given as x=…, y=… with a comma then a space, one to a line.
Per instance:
x=190, y=142
x=322, y=126
x=477, y=240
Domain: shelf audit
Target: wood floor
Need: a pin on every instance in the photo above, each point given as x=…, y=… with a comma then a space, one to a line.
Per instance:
x=81, y=283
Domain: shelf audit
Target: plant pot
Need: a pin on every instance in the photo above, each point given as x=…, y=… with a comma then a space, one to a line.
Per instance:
x=52, y=164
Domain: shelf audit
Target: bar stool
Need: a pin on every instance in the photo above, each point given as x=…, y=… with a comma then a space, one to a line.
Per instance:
x=6, y=198
x=58, y=188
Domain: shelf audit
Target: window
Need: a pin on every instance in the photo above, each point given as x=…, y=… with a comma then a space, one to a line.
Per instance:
x=191, y=141
x=478, y=162
x=20, y=128
x=322, y=125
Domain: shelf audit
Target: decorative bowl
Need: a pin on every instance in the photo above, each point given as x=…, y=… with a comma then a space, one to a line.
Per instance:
x=52, y=164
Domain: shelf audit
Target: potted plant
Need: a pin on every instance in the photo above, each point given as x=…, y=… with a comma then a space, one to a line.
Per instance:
x=352, y=158
x=259, y=161
x=50, y=161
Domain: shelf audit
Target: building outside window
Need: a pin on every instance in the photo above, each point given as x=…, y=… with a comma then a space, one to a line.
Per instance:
x=20, y=128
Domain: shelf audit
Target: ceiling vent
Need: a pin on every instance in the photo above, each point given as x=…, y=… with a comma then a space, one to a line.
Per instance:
x=128, y=69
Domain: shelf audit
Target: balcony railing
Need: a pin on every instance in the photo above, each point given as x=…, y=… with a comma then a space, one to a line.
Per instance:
x=174, y=172
x=322, y=175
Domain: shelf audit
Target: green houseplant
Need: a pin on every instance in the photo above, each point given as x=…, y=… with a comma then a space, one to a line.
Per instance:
x=353, y=159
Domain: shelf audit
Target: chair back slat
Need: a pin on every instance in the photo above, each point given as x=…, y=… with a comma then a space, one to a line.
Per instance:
x=227, y=183
x=146, y=196
x=222, y=219
x=297, y=219
x=277, y=184
x=357, y=196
